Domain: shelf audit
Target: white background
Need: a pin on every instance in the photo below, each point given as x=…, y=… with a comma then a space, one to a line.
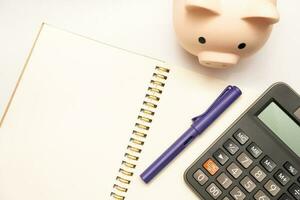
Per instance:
x=144, y=26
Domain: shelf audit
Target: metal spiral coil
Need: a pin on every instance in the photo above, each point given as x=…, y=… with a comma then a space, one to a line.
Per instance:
x=139, y=134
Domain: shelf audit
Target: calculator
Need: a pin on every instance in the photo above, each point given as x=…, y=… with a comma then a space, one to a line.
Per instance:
x=258, y=157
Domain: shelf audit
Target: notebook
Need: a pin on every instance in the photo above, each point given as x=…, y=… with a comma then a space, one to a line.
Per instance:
x=86, y=118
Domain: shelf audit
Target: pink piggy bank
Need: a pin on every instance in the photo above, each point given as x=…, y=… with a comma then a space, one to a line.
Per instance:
x=221, y=32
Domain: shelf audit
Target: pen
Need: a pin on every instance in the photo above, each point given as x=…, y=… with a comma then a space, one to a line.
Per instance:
x=200, y=123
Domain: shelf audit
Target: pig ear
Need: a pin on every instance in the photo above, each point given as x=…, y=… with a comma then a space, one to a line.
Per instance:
x=209, y=6
x=266, y=13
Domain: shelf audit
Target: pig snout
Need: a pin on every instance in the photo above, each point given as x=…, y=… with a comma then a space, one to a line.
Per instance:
x=218, y=59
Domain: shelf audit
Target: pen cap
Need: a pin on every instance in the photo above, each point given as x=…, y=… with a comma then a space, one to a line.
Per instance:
x=230, y=94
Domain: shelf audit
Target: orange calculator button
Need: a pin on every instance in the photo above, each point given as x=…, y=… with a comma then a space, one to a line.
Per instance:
x=211, y=167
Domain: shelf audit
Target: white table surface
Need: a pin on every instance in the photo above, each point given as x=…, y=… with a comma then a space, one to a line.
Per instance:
x=144, y=26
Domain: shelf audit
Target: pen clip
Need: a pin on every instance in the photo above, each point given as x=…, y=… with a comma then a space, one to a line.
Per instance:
x=226, y=90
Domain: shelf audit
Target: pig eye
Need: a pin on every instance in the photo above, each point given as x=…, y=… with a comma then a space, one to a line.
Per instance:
x=242, y=46
x=202, y=40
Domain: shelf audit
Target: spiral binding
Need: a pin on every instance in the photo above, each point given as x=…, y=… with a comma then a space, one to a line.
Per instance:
x=140, y=132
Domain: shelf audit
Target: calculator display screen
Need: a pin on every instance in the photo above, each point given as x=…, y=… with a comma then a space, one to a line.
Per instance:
x=282, y=125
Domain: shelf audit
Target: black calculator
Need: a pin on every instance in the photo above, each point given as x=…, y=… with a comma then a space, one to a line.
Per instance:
x=258, y=157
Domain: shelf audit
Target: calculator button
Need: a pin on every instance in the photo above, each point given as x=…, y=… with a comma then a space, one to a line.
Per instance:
x=258, y=174
x=295, y=191
x=285, y=197
x=241, y=137
x=237, y=194
x=231, y=147
x=221, y=157
x=290, y=168
x=260, y=195
x=234, y=170
x=282, y=177
x=225, y=198
x=211, y=167
x=254, y=150
x=244, y=160
x=224, y=181
x=268, y=164
x=200, y=177
x=272, y=188
x=248, y=184
x=213, y=191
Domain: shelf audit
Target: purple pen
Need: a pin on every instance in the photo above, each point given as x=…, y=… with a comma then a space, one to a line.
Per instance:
x=200, y=123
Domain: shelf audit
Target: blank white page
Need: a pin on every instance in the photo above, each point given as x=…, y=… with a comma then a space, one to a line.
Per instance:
x=69, y=123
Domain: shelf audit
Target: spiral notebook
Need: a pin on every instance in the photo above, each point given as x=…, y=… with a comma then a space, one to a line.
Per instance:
x=86, y=118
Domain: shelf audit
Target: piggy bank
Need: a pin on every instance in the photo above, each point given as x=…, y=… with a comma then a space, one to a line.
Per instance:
x=221, y=32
